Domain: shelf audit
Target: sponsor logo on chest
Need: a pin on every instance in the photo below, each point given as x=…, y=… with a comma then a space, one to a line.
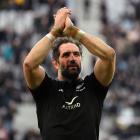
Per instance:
x=71, y=105
x=74, y=102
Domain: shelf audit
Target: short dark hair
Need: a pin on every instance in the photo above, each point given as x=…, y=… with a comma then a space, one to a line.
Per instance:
x=59, y=41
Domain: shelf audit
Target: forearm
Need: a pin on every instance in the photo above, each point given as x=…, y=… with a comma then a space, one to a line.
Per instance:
x=95, y=45
x=39, y=52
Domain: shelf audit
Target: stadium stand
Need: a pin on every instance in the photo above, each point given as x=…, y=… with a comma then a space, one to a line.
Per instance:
x=23, y=22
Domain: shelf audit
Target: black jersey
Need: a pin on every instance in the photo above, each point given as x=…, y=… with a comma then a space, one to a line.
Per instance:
x=69, y=110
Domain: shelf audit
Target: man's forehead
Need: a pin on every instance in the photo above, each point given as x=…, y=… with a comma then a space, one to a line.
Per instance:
x=69, y=47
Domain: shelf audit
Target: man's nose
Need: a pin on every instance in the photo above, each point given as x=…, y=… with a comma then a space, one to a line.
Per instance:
x=72, y=57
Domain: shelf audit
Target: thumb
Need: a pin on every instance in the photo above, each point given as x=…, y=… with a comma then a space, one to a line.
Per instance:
x=68, y=23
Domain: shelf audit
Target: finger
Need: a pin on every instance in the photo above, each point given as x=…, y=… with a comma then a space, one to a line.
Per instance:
x=65, y=9
x=63, y=12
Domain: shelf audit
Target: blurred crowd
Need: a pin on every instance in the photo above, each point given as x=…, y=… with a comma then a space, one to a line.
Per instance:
x=121, y=111
x=123, y=104
x=14, y=46
x=29, y=4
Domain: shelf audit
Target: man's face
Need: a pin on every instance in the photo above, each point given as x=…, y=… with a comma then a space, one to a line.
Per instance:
x=69, y=62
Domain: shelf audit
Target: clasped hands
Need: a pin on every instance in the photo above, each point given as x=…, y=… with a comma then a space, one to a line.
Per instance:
x=63, y=25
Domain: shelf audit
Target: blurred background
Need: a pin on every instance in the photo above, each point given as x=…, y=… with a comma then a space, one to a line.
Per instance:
x=24, y=22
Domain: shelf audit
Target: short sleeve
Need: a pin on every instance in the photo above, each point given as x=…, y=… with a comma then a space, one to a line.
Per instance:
x=99, y=90
x=42, y=91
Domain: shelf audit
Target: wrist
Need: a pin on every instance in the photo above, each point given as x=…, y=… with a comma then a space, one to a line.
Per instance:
x=56, y=32
x=79, y=35
x=50, y=36
x=75, y=33
x=71, y=31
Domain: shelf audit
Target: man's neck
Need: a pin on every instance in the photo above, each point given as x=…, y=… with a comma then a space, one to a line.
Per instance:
x=61, y=78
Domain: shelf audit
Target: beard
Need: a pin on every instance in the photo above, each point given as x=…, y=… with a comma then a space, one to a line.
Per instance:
x=71, y=72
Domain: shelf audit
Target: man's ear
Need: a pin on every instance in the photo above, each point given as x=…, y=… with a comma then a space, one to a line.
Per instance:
x=55, y=64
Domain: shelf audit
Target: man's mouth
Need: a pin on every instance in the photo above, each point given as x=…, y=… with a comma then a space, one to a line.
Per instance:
x=72, y=66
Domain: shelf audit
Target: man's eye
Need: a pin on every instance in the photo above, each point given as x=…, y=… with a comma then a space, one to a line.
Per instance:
x=77, y=54
x=66, y=54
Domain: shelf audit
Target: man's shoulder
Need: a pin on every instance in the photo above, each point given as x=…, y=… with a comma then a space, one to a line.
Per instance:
x=90, y=76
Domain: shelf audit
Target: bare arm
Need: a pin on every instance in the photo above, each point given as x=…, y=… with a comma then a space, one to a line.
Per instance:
x=33, y=72
x=105, y=65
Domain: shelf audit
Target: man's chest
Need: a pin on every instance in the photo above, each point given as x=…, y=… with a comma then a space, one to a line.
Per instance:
x=72, y=98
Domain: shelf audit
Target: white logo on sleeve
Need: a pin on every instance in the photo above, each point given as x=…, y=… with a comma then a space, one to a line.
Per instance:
x=70, y=103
